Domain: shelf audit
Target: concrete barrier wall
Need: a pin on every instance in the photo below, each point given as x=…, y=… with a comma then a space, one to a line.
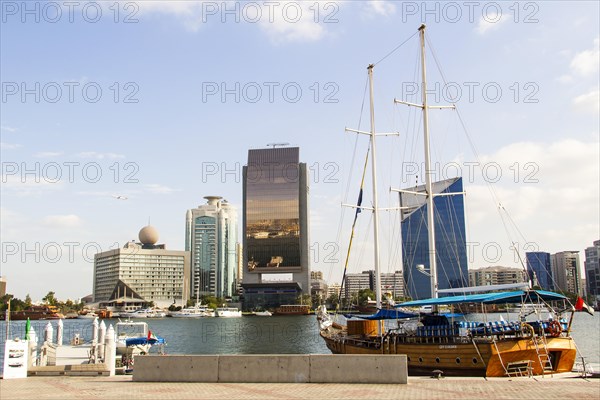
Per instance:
x=176, y=368
x=272, y=368
x=264, y=368
x=358, y=368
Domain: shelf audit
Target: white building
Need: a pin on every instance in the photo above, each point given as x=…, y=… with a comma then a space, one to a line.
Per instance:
x=142, y=271
x=211, y=238
x=496, y=275
x=565, y=270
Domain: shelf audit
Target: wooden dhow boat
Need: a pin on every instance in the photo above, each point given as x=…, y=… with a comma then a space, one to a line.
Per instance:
x=450, y=343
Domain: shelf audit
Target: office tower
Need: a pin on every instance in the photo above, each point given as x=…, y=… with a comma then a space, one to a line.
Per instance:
x=211, y=239
x=539, y=269
x=592, y=269
x=450, y=238
x=275, y=228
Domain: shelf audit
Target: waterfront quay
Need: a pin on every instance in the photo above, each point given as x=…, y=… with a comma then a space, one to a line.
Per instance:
x=559, y=386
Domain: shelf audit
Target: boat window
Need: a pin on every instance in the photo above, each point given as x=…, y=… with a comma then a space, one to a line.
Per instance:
x=458, y=360
x=474, y=360
x=437, y=360
x=420, y=359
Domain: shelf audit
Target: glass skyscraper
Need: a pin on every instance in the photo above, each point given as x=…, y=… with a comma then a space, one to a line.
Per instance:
x=450, y=239
x=211, y=237
x=275, y=234
x=539, y=269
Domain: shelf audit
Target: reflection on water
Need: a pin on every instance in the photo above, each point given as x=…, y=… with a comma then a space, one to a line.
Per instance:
x=262, y=335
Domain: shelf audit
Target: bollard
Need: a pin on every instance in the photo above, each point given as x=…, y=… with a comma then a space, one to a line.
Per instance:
x=59, y=333
x=48, y=333
x=101, y=339
x=95, y=332
x=110, y=350
x=32, y=345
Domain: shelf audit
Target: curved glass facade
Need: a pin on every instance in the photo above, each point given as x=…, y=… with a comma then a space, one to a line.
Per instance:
x=450, y=239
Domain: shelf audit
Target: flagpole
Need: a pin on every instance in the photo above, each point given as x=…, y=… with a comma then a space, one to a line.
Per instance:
x=7, y=318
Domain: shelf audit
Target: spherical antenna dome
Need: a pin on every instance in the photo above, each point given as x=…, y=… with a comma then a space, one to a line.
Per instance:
x=148, y=235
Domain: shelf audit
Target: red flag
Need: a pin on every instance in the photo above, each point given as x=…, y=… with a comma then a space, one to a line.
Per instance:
x=581, y=306
x=149, y=334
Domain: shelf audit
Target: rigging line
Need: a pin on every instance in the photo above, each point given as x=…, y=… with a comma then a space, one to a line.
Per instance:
x=342, y=209
x=358, y=210
x=396, y=48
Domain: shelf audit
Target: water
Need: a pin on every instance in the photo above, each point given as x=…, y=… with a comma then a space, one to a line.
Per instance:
x=261, y=335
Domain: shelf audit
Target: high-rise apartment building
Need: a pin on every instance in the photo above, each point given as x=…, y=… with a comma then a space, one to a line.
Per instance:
x=592, y=269
x=496, y=276
x=450, y=238
x=357, y=282
x=211, y=238
x=275, y=227
x=540, y=270
x=565, y=271
x=144, y=271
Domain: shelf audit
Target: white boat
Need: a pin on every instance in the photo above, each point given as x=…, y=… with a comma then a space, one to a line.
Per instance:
x=228, y=312
x=265, y=313
x=156, y=313
x=198, y=311
x=88, y=315
x=139, y=313
x=133, y=337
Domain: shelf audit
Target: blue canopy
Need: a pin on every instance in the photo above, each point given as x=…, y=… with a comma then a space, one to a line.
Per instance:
x=519, y=296
x=385, y=314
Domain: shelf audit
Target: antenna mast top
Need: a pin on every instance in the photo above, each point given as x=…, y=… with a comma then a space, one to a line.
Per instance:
x=277, y=144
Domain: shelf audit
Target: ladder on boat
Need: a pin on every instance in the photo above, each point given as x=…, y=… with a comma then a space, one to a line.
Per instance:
x=541, y=348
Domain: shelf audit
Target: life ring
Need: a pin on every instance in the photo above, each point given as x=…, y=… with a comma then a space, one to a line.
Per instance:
x=554, y=328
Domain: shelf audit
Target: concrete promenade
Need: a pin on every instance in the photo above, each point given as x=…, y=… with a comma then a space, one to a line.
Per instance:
x=564, y=386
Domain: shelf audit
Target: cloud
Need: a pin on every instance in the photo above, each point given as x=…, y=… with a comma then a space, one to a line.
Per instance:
x=8, y=129
x=62, y=221
x=379, y=7
x=48, y=154
x=588, y=103
x=544, y=186
x=193, y=14
x=491, y=21
x=282, y=21
x=586, y=63
x=27, y=184
x=99, y=156
x=294, y=22
x=9, y=146
x=160, y=189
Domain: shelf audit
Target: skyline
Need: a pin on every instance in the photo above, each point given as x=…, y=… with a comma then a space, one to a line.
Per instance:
x=180, y=107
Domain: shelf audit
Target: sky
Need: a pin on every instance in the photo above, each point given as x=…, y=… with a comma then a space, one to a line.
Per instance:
x=116, y=114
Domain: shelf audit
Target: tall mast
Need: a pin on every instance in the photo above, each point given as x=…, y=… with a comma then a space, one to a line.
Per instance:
x=375, y=203
x=428, y=174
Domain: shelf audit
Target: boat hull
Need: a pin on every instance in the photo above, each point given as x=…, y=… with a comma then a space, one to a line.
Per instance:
x=479, y=358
